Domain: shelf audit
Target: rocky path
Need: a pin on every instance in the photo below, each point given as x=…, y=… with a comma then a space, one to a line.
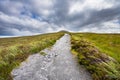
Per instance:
x=57, y=64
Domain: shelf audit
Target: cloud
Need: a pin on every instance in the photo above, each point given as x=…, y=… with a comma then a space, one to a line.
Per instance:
x=15, y=24
x=105, y=27
x=19, y=17
x=11, y=7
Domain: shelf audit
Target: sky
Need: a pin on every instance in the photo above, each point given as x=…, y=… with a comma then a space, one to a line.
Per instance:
x=28, y=17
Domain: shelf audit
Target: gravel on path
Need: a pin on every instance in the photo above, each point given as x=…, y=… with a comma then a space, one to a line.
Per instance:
x=57, y=64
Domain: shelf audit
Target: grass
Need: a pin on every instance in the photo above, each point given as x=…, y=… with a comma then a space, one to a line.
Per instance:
x=107, y=43
x=99, y=53
x=43, y=53
x=15, y=50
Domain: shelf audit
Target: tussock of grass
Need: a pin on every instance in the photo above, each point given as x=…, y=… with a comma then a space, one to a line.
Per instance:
x=43, y=53
x=100, y=65
x=15, y=50
x=107, y=43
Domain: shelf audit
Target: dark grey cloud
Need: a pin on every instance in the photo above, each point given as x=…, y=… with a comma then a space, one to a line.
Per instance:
x=101, y=16
x=18, y=17
x=4, y=31
x=77, y=20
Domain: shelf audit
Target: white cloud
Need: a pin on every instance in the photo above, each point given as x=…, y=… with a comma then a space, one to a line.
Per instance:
x=106, y=27
x=99, y=4
x=112, y=24
x=78, y=6
x=43, y=8
x=20, y=33
x=28, y=22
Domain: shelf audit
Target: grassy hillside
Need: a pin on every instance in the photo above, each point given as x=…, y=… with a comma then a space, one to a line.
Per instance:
x=15, y=50
x=99, y=53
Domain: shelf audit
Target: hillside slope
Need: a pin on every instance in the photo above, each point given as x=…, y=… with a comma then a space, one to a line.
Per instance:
x=97, y=52
x=57, y=64
x=15, y=50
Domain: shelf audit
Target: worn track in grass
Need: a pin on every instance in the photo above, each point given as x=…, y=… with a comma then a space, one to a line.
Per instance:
x=56, y=64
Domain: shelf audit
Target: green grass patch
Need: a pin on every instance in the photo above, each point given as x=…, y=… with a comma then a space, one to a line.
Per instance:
x=107, y=43
x=15, y=50
x=43, y=53
x=101, y=65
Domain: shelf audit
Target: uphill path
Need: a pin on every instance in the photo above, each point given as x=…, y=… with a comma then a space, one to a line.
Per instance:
x=57, y=64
